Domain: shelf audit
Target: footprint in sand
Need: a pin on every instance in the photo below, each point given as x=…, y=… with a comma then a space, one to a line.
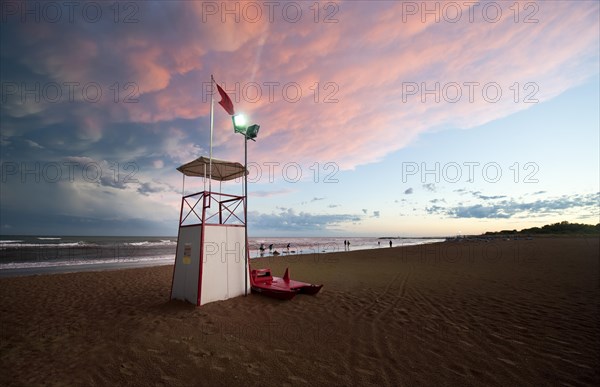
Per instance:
x=366, y=372
x=199, y=356
x=506, y=361
x=296, y=379
x=168, y=379
x=126, y=369
x=252, y=368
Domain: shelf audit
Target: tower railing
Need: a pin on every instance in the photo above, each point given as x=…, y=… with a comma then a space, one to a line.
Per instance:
x=218, y=209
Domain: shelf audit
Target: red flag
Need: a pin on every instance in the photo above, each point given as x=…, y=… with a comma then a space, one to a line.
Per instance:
x=225, y=101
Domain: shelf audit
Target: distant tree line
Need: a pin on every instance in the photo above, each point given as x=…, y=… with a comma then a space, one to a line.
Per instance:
x=563, y=227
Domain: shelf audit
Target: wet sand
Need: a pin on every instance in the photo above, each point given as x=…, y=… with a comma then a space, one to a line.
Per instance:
x=456, y=313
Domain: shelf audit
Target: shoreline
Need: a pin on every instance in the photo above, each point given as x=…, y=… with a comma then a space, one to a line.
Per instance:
x=70, y=269
x=506, y=313
x=74, y=264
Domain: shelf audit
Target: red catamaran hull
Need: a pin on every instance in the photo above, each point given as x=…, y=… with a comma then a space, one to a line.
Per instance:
x=262, y=282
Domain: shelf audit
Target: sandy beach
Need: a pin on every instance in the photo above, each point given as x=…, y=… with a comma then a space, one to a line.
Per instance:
x=521, y=312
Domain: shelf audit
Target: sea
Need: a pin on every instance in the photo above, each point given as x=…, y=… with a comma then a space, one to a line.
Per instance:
x=28, y=255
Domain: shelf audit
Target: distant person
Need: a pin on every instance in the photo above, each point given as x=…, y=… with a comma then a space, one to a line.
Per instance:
x=271, y=247
x=378, y=244
x=288, y=247
x=262, y=247
x=390, y=243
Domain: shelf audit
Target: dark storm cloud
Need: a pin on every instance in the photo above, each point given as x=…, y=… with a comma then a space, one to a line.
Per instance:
x=509, y=208
x=479, y=195
x=429, y=187
x=289, y=220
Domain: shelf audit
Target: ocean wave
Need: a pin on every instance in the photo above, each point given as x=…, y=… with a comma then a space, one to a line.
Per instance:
x=17, y=244
x=164, y=242
x=45, y=264
x=48, y=238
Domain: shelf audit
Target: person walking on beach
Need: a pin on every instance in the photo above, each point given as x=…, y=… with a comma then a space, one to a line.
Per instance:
x=288, y=247
x=390, y=243
x=270, y=247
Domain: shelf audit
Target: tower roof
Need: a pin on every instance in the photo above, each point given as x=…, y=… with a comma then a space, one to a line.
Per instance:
x=221, y=170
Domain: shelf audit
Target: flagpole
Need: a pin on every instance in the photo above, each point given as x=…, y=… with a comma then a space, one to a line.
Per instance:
x=246, y=214
x=212, y=109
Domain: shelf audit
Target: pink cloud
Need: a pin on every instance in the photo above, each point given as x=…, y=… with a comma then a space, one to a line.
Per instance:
x=366, y=57
x=147, y=69
x=371, y=119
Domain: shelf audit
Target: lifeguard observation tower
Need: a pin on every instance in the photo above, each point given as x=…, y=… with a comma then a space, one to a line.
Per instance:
x=211, y=262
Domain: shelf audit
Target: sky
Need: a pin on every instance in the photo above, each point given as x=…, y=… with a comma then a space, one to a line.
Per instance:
x=377, y=118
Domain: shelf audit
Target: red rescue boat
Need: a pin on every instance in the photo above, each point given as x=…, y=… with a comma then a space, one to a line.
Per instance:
x=263, y=282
